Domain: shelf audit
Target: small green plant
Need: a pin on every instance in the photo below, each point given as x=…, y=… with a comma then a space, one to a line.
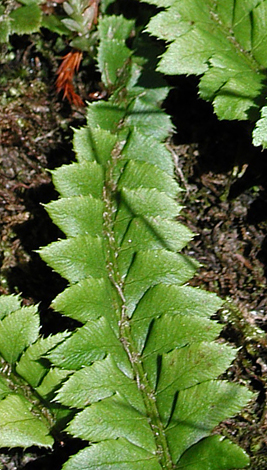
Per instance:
x=74, y=20
x=225, y=43
x=137, y=380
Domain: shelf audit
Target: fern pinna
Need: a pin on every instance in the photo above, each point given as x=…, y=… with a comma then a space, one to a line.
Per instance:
x=223, y=42
x=140, y=372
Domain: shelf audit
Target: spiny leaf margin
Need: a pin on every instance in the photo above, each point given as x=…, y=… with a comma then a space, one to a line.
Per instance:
x=132, y=408
x=225, y=43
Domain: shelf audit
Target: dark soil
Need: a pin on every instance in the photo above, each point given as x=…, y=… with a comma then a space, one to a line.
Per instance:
x=225, y=205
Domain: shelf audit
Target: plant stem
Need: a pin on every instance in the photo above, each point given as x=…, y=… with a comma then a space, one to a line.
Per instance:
x=148, y=393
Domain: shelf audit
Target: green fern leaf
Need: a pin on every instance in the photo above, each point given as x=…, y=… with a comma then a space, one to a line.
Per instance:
x=9, y=304
x=18, y=330
x=110, y=62
x=29, y=366
x=225, y=43
x=26, y=381
x=213, y=453
x=260, y=131
x=145, y=359
x=20, y=426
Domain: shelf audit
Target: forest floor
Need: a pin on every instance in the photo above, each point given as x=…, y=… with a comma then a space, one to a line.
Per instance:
x=225, y=205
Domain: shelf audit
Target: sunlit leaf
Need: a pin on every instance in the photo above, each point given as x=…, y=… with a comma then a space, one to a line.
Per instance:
x=224, y=42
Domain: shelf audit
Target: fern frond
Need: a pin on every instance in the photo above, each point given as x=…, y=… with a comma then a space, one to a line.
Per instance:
x=26, y=418
x=225, y=43
x=145, y=359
